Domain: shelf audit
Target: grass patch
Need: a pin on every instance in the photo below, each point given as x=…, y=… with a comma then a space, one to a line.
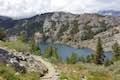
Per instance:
x=97, y=76
x=8, y=73
x=17, y=45
x=75, y=71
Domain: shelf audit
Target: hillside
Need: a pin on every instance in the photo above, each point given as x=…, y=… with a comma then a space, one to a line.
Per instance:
x=75, y=30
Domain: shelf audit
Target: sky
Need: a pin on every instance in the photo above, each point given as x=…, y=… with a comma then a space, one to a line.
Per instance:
x=27, y=8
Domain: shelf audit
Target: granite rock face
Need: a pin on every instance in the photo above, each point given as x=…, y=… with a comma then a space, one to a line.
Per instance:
x=73, y=29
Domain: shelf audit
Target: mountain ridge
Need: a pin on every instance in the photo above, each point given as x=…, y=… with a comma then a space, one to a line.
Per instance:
x=75, y=30
x=109, y=13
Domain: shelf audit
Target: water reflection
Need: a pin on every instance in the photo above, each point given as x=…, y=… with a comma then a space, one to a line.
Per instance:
x=65, y=50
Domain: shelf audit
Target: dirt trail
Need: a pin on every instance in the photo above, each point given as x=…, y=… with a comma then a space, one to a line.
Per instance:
x=52, y=72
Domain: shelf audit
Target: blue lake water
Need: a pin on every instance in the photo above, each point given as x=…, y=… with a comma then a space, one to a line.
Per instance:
x=65, y=50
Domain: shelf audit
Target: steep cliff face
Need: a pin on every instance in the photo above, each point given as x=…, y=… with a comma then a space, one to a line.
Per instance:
x=76, y=30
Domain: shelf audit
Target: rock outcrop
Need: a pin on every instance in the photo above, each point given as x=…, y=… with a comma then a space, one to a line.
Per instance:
x=22, y=62
x=39, y=37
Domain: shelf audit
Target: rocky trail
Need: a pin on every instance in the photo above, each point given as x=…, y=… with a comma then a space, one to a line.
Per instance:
x=52, y=72
x=37, y=63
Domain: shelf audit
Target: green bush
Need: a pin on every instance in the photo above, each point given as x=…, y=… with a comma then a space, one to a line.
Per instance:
x=63, y=76
x=72, y=58
x=87, y=33
x=108, y=62
x=34, y=48
x=8, y=73
x=82, y=59
x=48, y=52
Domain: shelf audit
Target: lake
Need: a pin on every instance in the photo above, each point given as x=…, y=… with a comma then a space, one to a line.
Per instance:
x=65, y=50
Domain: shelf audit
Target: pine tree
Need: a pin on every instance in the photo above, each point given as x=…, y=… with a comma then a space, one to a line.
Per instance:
x=116, y=51
x=99, y=58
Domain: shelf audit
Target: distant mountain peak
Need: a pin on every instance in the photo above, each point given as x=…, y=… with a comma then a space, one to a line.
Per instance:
x=109, y=12
x=4, y=18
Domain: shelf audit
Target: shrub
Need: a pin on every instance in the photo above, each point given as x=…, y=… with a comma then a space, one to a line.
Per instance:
x=87, y=34
x=72, y=58
x=34, y=48
x=48, y=52
x=8, y=73
x=51, y=53
x=82, y=59
x=108, y=63
x=63, y=76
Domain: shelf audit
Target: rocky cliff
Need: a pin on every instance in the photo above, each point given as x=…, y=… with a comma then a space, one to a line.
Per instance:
x=73, y=29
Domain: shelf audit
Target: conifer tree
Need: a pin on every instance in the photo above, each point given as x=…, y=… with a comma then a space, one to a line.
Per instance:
x=116, y=51
x=99, y=57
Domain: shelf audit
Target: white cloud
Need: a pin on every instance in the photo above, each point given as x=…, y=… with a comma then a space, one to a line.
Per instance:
x=25, y=8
